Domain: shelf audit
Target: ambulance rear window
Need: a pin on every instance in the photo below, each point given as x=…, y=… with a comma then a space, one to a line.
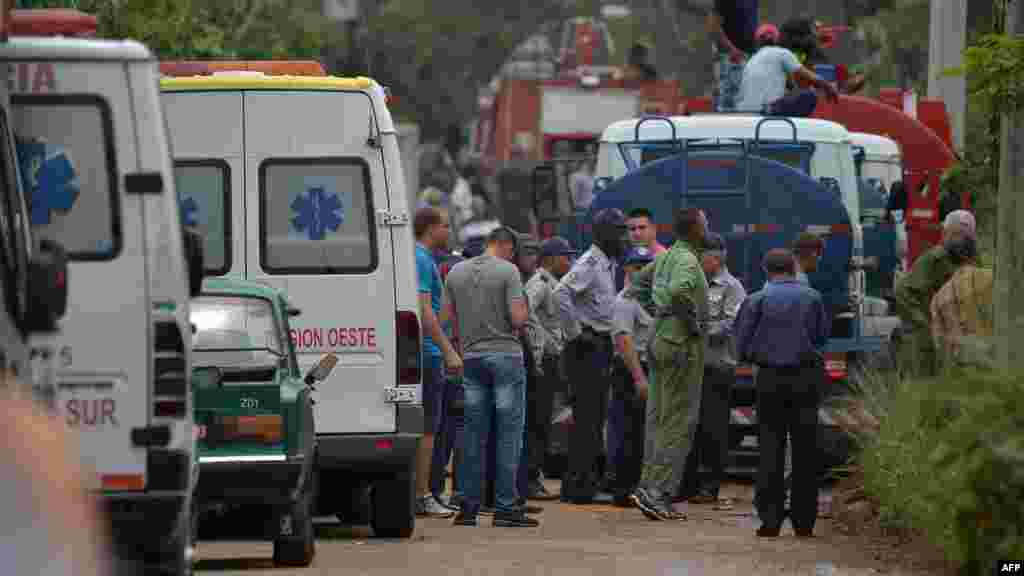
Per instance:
x=316, y=216
x=70, y=181
x=204, y=195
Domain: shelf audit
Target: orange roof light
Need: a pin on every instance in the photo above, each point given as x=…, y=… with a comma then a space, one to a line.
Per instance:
x=52, y=22
x=179, y=68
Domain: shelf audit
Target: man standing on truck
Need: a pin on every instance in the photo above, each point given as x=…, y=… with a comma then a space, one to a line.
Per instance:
x=782, y=329
x=432, y=230
x=486, y=294
x=763, y=88
x=547, y=339
x=586, y=296
x=711, y=446
x=731, y=25
x=913, y=294
x=679, y=291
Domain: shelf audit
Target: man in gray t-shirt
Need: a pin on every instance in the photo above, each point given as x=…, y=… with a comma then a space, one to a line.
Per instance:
x=486, y=298
x=763, y=87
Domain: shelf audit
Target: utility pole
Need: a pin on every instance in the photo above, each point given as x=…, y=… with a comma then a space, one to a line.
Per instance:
x=1009, y=269
x=947, y=38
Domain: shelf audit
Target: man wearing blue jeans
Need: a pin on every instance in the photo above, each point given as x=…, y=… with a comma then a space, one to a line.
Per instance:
x=432, y=231
x=486, y=296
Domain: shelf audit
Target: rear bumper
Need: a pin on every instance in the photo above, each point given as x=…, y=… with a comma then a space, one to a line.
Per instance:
x=251, y=482
x=374, y=453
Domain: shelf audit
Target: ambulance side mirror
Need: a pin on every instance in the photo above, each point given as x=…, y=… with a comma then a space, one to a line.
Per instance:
x=322, y=370
x=47, y=288
x=194, y=260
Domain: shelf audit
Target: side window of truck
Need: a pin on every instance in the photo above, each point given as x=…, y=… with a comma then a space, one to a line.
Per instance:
x=317, y=216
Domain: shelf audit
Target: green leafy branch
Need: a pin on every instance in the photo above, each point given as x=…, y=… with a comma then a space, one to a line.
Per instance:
x=995, y=69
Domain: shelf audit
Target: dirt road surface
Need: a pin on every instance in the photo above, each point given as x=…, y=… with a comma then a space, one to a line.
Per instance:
x=573, y=540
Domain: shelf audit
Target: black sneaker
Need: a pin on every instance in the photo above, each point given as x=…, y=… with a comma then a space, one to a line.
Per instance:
x=463, y=519
x=651, y=507
x=514, y=520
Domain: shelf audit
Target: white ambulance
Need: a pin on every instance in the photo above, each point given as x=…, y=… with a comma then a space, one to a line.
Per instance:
x=95, y=160
x=296, y=182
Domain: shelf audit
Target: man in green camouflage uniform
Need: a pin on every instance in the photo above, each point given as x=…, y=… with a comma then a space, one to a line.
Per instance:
x=675, y=284
x=913, y=294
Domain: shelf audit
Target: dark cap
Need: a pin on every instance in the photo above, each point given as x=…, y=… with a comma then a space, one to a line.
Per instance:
x=808, y=243
x=556, y=246
x=474, y=247
x=609, y=217
x=638, y=255
x=714, y=242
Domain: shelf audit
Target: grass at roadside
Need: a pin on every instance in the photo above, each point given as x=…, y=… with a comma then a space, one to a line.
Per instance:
x=945, y=457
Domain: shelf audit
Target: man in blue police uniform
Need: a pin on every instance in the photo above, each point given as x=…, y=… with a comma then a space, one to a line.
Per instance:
x=586, y=298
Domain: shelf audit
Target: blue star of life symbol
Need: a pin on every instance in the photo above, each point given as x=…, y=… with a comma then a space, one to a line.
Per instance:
x=317, y=212
x=189, y=210
x=49, y=179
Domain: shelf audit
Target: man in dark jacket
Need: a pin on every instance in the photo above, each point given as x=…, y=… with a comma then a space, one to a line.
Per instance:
x=782, y=329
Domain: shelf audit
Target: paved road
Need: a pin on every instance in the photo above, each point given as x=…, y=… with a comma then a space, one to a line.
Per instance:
x=572, y=540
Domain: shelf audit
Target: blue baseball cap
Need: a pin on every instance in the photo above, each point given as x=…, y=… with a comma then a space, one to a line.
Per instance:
x=556, y=246
x=609, y=217
x=474, y=247
x=638, y=255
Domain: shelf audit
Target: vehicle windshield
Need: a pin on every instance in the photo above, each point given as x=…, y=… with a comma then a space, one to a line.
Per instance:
x=241, y=330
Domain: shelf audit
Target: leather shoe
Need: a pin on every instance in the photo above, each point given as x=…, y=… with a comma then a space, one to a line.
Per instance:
x=804, y=533
x=768, y=532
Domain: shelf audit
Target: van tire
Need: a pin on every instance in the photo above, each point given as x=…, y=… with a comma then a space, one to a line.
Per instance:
x=394, y=511
x=299, y=551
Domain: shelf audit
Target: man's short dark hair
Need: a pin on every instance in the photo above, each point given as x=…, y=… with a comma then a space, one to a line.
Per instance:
x=641, y=213
x=807, y=244
x=425, y=218
x=779, y=261
x=687, y=220
x=503, y=234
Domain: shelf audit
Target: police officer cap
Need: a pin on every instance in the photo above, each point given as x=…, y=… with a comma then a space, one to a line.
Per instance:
x=638, y=255
x=556, y=246
x=609, y=217
x=474, y=247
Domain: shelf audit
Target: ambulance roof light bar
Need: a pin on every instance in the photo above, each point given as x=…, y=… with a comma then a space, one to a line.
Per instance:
x=51, y=22
x=180, y=68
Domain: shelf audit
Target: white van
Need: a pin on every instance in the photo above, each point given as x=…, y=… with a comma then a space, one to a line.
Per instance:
x=94, y=157
x=296, y=182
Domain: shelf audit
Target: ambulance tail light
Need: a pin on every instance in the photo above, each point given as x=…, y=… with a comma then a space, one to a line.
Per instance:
x=170, y=372
x=408, y=354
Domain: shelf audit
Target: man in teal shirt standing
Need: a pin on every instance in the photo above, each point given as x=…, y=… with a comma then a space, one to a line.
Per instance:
x=679, y=294
x=432, y=231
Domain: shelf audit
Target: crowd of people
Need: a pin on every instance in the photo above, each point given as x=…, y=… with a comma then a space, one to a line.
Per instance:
x=646, y=340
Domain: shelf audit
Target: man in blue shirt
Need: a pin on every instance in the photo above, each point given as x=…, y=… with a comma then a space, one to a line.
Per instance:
x=432, y=231
x=782, y=329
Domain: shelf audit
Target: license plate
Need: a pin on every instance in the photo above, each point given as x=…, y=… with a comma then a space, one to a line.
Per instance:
x=402, y=395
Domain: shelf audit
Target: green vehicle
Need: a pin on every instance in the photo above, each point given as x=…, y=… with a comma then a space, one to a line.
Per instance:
x=254, y=413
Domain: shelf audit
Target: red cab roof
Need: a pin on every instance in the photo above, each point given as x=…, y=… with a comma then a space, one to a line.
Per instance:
x=52, y=22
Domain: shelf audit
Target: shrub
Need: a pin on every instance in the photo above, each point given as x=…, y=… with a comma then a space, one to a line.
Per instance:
x=948, y=459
